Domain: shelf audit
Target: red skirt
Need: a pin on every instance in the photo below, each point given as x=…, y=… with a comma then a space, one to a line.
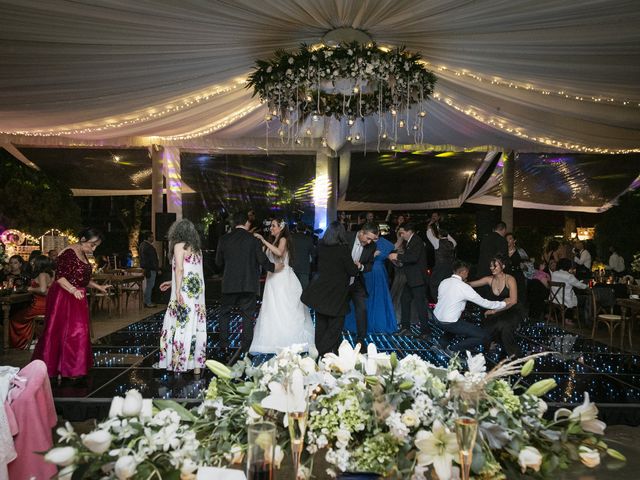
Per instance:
x=65, y=345
x=21, y=325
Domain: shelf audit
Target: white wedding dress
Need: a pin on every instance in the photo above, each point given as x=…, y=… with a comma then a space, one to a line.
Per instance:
x=283, y=319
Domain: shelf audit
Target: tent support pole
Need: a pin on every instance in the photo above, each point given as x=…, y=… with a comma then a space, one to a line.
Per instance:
x=508, y=174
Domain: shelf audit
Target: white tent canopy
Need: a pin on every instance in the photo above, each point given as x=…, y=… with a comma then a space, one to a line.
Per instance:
x=531, y=75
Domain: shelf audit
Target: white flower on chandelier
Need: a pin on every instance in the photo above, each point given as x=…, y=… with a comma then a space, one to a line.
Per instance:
x=439, y=448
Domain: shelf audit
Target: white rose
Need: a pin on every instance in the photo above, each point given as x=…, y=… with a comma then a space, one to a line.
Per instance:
x=409, y=418
x=125, y=467
x=62, y=456
x=343, y=436
x=591, y=458
x=116, y=407
x=97, y=441
x=132, y=404
x=530, y=457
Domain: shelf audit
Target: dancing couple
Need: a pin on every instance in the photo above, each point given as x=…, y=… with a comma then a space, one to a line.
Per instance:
x=283, y=320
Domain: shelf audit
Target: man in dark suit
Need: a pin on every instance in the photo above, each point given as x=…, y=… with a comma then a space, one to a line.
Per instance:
x=491, y=245
x=303, y=253
x=363, y=248
x=241, y=255
x=414, y=265
x=148, y=261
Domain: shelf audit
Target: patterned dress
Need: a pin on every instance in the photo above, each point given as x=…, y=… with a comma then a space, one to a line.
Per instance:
x=184, y=330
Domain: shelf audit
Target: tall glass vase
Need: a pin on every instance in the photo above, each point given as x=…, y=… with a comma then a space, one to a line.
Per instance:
x=466, y=431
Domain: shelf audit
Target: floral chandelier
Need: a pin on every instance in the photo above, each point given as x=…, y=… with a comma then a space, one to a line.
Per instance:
x=345, y=81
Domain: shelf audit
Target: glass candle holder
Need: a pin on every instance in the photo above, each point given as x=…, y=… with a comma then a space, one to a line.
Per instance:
x=260, y=451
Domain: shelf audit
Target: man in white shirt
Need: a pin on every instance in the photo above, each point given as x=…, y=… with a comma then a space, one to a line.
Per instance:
x=583, y=257
x=453, y=295
x=616, y=262
x=563, y=275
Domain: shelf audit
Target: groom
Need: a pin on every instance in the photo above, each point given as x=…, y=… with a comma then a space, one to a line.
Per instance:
x=241, y=255
x=363, y=248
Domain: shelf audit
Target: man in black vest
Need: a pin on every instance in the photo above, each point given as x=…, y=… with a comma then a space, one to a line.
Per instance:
x=241, y=255
x=414, y=265
x=303, y=253
x=363, y=248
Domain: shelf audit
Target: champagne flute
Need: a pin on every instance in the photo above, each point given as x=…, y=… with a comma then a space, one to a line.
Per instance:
x=466, y=431
x=297, y=416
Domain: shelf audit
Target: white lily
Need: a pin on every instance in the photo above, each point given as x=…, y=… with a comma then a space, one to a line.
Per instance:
x=346, y=359
x=287, y=398
x=587, y=414
x=66, y=433
x=530, y=457
x=438, y=447
x=375, y=360
x=588, y=456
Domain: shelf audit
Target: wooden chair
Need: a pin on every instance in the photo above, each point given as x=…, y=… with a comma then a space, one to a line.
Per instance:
x=611, y=320
x=556, y=304
x=131, y=288
x=38, y=328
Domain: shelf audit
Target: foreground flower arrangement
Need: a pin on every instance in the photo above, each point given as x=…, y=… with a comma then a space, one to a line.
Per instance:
x=366, y=412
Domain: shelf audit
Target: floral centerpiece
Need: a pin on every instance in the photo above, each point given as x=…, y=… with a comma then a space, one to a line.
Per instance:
x=366, y=412
x=635, y=263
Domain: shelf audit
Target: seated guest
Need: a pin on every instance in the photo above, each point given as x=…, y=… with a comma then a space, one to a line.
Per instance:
x=564, y=275
x=502, y=287
x=538, y=290
x=17, y=272
x=616, y=262
x=21, y=326
x=453, y=295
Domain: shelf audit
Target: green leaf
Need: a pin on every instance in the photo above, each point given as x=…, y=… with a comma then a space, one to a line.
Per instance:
x=185, y=414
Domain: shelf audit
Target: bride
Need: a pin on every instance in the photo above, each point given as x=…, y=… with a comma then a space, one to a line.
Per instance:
x=283, y=319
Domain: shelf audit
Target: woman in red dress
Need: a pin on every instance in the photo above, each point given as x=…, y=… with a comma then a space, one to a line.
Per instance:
x=21, y=326
x=65, y=345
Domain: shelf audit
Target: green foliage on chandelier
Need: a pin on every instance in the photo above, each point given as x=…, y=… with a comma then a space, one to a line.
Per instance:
x=378, y=81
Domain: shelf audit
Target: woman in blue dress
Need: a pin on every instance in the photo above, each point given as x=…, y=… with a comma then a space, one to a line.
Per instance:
x=381, y=317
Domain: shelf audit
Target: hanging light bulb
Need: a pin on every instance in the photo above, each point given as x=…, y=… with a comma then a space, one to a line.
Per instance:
x=324, y=142
x=309, y=98
x=384, y=135
x=394, y=112
x=357, y=136
x=349, y=138
x=351, y=121
x=281, y=132
x=415, y=128
x=298, y=141
x=268, y=117
x=287, y=121
x=422, y=113
x=356, y=89
x=393, y=146
x=308, y=131
x=315, y=117
x=274, y=112
x=401, y=123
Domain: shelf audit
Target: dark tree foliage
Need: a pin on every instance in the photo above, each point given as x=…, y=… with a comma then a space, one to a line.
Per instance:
x=33, y=202
x=620, y=227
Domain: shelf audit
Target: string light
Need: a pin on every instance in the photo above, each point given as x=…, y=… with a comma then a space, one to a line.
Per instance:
x=141, y=116
x=520, y=132
x=445, y=71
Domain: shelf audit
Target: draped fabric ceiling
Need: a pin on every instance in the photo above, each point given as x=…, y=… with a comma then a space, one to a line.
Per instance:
x=532, y=75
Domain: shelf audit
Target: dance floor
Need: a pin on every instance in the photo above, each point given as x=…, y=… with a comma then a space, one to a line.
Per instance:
x=124, y=360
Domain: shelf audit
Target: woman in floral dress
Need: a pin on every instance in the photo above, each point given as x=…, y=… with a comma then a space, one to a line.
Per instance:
x=184, y=331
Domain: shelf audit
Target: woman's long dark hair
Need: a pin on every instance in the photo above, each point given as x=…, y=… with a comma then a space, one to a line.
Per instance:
x=284, y=233
x=183, y=231
x=334, y=235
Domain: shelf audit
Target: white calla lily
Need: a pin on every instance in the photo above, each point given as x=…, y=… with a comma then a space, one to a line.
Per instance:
x=588, y=456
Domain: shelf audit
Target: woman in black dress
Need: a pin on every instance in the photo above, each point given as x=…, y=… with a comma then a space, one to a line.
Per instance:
x=503, y=323
x=328, y=292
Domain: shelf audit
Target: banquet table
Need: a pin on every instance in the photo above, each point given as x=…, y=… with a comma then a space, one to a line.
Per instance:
x=6, y=301
x=118, y=281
